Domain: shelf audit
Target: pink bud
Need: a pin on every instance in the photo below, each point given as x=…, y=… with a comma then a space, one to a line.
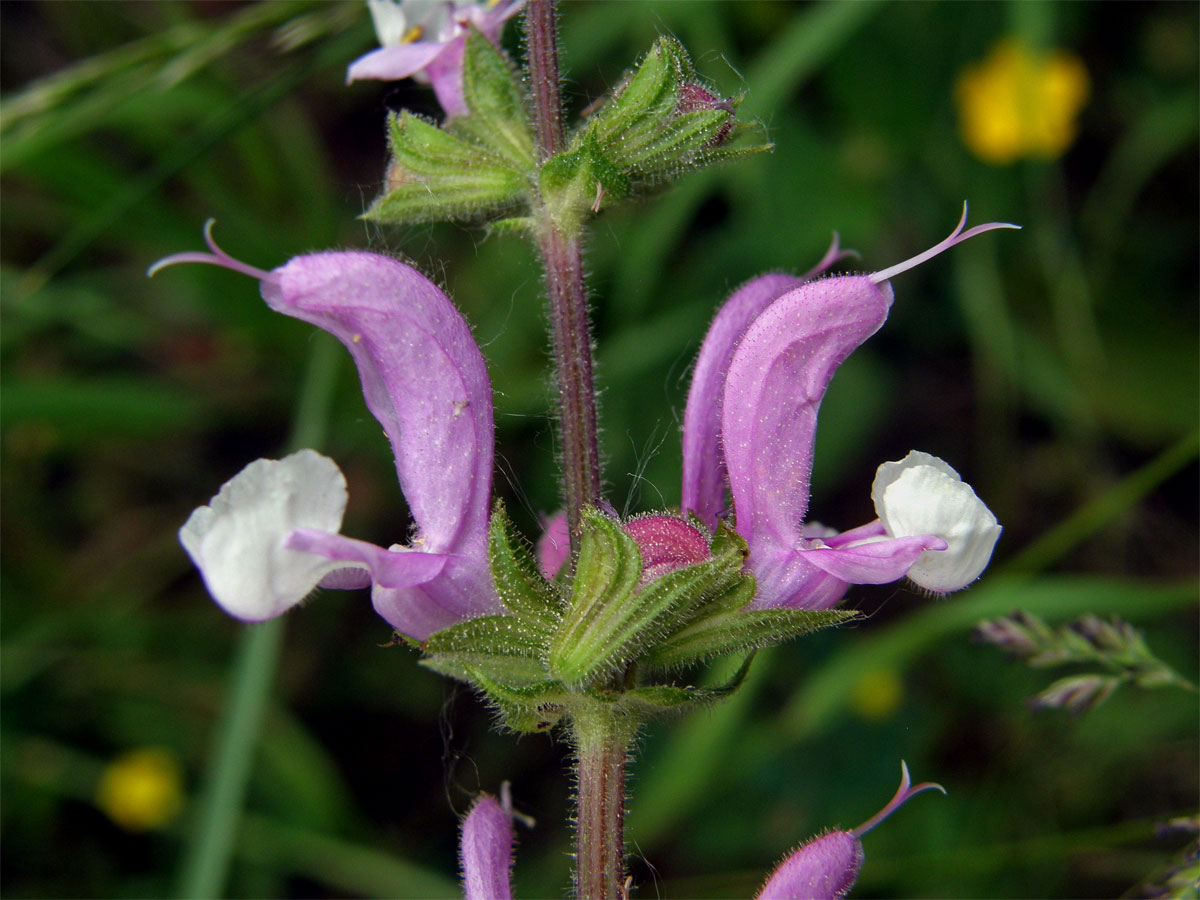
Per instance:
x=823, y=869
x=693, y=97
x=826, y=867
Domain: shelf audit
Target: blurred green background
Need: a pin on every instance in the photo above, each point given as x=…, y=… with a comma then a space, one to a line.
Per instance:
x=1055, y=367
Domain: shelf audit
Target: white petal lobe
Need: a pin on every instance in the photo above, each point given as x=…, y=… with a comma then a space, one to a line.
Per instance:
x=920, y=495
x=237, y=541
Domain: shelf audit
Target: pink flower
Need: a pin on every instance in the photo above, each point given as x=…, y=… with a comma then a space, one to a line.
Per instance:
x=750, y=424
x=425, y=40
x=271, y=535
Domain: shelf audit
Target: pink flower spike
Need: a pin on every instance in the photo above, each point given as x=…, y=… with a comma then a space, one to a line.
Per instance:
x=957, y=236
x=486, y=851
x=776, y=380
x=903, y=793
x=217, y=257
x=703, y=459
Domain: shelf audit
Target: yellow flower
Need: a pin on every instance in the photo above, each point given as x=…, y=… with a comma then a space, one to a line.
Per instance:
x=142, y=789
x=1018, y=102
x=877, y=694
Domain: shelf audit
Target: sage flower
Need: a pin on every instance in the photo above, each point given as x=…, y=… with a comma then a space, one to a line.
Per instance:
x=271, y=534
x=750, y=425
x=425, y=40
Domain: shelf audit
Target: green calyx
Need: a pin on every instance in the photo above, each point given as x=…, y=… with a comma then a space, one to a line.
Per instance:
x=661, y=122
x=475, y=167
x=435, y=175
x=611, y=620
x=602, y=640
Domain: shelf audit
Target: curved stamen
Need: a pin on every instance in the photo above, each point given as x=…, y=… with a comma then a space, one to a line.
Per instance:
x=217, y=257
x=957, y=236
x=905, y=791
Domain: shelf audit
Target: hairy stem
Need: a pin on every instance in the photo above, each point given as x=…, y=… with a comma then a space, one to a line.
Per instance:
x=541, y=37
x=602, y=740
x=562, y=258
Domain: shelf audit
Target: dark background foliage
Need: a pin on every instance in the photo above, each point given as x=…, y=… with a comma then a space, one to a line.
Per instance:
x=1052, y=366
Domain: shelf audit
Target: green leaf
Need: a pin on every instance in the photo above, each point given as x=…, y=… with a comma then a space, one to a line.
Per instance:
x=527, y=708
x=435, y=175
x=651, y=94
x=522, y=589
x=732, y=631
x=493, y=93
x=521, y=226
x=667, y=698
x=502, y=647
x=674, y=141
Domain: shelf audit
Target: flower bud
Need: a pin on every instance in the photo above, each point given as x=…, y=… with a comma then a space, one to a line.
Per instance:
x=826, y=867
x=693, y=97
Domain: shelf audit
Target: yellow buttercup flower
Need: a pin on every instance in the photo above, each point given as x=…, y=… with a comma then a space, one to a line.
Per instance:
x=142, y=789
x=1020, y=103
x=877, y=694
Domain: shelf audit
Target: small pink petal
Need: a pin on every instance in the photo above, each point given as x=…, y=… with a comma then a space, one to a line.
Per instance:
x=389, y=568
x=446, y=77
x=416, y=592
x=879, y=562
x=394, y=63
